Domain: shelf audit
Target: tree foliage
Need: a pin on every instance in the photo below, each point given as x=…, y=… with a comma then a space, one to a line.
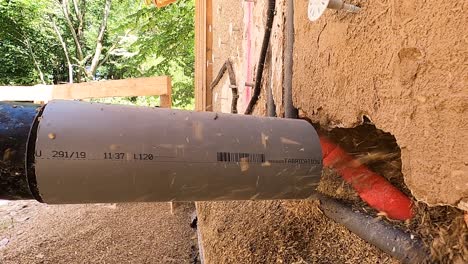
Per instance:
x=26, y=48
x=57, y=41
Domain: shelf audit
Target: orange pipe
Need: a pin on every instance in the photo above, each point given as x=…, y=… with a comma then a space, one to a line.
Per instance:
x=371, y=187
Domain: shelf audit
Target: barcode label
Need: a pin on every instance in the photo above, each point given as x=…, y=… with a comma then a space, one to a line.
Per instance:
x=238, y=157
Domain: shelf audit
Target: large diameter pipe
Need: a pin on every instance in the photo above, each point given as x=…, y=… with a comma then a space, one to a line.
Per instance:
x=15, y=125
x=89, y=153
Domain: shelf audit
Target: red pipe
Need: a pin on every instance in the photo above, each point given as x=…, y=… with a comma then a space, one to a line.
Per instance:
x=371, y=187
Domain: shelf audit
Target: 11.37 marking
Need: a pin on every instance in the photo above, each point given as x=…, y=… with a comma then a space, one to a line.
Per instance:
x=81, y=155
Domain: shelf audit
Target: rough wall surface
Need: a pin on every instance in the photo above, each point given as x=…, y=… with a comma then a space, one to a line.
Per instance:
x=404, y=65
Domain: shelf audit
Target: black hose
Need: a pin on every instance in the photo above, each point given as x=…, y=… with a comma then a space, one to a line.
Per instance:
x=232, y=83
x=261, y=61
x=405, y=247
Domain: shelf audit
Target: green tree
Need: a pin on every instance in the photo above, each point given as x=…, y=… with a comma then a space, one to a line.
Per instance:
x=54, y=41
x=25, y=46
x=158, y=42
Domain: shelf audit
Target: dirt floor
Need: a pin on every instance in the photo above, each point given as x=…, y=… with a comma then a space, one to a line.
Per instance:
x=386, y=66
x=31, y=232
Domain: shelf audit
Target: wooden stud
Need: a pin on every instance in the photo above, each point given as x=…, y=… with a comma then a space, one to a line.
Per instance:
x=203, y=51
x=209, y=53
x=200, y=54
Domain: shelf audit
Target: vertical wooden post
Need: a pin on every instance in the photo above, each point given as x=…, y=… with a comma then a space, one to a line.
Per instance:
x=203, y=52
x=200, y=54
x=165, y=100
x=209, y=55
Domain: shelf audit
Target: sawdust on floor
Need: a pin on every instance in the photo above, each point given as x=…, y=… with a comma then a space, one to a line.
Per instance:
x=105, y=233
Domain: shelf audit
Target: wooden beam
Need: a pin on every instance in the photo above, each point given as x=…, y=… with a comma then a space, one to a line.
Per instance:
x=200, y=54
x=114, y=88
x=203, y=51
x=209, y=55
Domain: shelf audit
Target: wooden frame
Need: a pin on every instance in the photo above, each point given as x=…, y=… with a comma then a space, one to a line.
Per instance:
x=113, y=88
x=203, y=55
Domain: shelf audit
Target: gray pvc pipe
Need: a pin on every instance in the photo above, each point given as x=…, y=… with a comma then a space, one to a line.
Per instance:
x=89, y=153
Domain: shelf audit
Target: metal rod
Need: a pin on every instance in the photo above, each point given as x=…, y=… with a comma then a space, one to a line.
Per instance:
x=271, y=107
x=290, y=110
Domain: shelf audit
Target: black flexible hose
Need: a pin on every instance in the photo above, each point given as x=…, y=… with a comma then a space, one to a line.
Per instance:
x=227, y=66
x=403, y=246
x=261, y=62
